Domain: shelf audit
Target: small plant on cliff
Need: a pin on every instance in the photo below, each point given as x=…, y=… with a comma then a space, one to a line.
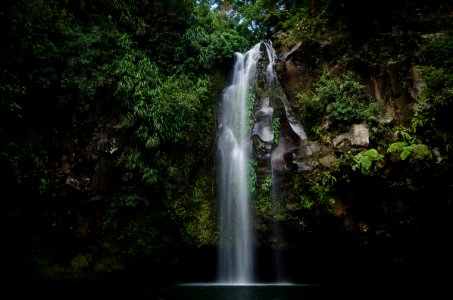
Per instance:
x=266, y=186
x=433, y=107
x=409, y=145
x=364, y=160
x=315, y=191
x=251, y=175
x=276, y=127
x=339, y=101
x=417, y=151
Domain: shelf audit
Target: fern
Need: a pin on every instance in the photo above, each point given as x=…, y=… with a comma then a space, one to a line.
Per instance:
x=417, y=151
x=396, y=147
x=421, y=151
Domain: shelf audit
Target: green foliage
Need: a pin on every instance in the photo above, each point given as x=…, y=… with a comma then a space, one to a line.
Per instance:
x=51, y=271
x=276, y=127
x=262, y=206
x=407, y=134
x=133, y=234
x=148, y=67
x=364, y=160
x=416, y=151
x=304, y=27
x=166, y=115
x=436, y=51
x=209, y=40
x=11, y=91
x=56, y=69
x=212, y=48
x=82, y=267
x=27, y=162
x=74, y=66
x=255, y=20
x=267, y=184
x=80, y=263
x=160, y=110
x=321, y=132
x=338, y=101
x=194, y=210
x=410, y=145
x=434, y=105
x=251, y=175
x=262, y=198
x=429, y=124
x=399, y=148
x=316, y=190
x=107, y=265
x=261, y=19
x=129, y=197
x=157, y=27
x=86, y=58
x=268, y=204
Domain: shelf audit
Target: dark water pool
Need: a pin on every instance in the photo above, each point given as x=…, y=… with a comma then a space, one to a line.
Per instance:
x=151, y=290
x=269, y=292
x=244, y=292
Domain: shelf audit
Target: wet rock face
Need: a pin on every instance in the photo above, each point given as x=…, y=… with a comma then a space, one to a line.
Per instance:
x=278, y=136
x=84, y=170
x=286, y=147
x=358, y=135
x=282, y=154
x=263, y=122
x=276, y=133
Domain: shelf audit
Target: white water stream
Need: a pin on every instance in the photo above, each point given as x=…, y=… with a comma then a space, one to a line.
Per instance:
x=236, y=257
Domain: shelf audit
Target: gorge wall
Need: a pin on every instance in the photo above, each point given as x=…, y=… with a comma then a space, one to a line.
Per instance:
x=342, y=186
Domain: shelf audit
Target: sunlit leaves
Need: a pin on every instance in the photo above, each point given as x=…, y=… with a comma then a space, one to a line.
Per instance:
x=364, y=160
x=305, y=28
x=417, y=151
x=209, y=41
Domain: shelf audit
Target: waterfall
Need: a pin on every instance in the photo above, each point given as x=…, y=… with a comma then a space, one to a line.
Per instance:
x=236, y=236
x=236, y=256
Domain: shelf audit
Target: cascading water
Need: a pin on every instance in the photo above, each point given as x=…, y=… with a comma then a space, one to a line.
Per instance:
x=236, y=257
x=273, y=92
x=236, y=251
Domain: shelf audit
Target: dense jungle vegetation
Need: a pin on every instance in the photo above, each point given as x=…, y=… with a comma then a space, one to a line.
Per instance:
x=108, y=129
